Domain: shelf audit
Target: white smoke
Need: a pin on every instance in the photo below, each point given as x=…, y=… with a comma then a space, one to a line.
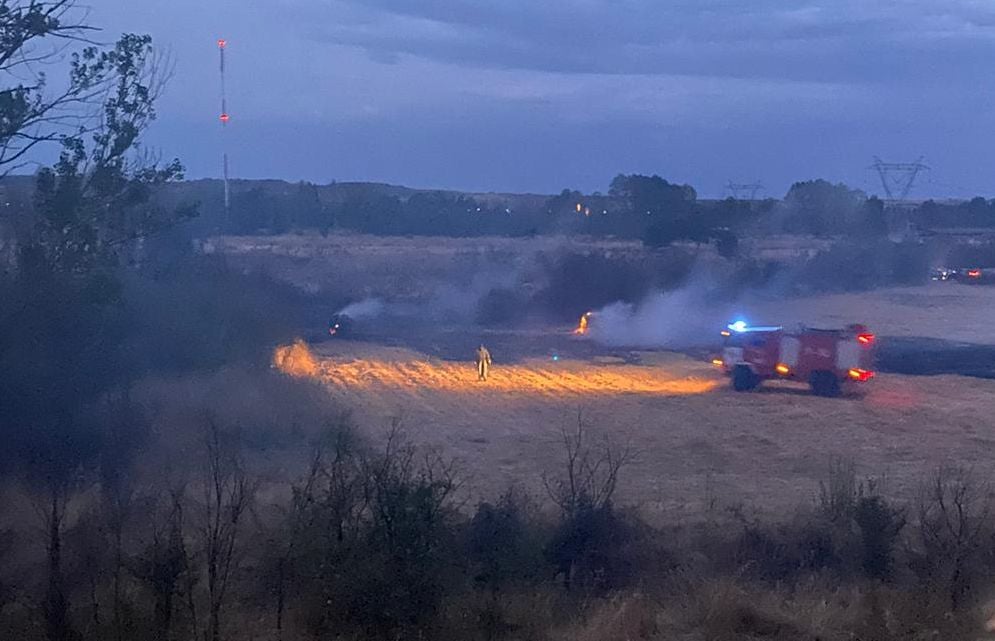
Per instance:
x=673, y=320
x=689, y=316
x=364, y=309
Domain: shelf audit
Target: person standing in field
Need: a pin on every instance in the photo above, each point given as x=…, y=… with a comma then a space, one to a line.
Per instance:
x=483, y=363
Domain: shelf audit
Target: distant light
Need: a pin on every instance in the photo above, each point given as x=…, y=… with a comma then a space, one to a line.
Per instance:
x=738, y=326
x=865, y=339
x=782, y=369
x=225, y=118
x=222, y=43
x=578, y=208
x=717, y=362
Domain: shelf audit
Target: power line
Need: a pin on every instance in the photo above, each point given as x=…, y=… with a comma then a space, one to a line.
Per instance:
x=898, y=178
x=739, y=191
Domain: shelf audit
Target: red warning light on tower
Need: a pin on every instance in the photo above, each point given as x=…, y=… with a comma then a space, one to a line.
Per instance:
x=221, y=43
x=225, y=118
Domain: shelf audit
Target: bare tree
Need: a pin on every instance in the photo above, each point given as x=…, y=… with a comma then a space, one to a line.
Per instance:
x=225, y=495
x=590, y=474
x=164, y=560
x=954, y=514
x=59, y=487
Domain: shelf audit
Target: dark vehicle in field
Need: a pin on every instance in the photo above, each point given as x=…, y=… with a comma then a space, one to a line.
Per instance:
x=339, y=325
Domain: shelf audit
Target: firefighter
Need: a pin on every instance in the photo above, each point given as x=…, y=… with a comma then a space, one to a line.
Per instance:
x=483, y=363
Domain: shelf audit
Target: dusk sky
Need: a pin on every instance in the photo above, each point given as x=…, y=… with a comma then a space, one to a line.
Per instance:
x=538, y=95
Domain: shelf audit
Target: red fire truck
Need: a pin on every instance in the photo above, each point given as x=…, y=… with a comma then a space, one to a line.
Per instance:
x=826, y=359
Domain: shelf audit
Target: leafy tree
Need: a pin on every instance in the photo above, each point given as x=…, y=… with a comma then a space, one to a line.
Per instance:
x=564, y=202
x=33, y=35
x=98, y=196
x=820, y=207
x=62, y=320
x=654, y=196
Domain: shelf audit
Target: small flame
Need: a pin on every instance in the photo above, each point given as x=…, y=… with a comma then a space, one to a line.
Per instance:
x=582, y=325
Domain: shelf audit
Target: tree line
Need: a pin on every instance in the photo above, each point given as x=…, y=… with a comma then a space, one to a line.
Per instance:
x=640, y=207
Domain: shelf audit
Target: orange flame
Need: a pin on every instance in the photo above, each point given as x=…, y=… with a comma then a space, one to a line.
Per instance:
x=296, y=360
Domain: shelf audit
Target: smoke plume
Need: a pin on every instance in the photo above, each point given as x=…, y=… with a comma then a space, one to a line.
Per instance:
x=364, y=309
x=677, y=319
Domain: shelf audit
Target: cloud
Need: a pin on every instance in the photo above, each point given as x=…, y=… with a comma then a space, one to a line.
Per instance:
x=838, y=41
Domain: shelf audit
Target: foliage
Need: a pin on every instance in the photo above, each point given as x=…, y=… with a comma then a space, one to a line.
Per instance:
x=820, y=207
x=98, y=197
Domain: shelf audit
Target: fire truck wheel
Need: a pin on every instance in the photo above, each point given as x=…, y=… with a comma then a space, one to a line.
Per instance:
x=825, y=384
x=743, y=379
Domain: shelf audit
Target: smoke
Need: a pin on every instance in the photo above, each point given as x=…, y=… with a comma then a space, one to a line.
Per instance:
x=364, y=309
x=682, y=318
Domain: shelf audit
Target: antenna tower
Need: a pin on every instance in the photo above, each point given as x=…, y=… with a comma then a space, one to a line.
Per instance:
x=222, y=44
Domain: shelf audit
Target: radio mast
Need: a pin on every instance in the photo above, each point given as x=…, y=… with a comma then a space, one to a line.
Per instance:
x=222, y=43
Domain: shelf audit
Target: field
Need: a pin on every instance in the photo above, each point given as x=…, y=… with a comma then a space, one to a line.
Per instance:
x=700, y=446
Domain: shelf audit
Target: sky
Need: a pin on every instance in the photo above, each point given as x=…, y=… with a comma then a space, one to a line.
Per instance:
x=542, y=95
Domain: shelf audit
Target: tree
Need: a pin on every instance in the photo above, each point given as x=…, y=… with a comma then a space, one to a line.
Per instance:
x=226, y=495
x=654, y=196
x=63, y=329
x=98, y=196
x=34, y=34
x=62, y=353
x=820, y=207
x=585, y=546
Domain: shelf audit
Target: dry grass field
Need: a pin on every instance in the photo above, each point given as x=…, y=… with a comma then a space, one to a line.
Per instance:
x=700, y=445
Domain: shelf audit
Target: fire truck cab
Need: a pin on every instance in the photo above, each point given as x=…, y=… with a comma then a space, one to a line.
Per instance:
x=827, y=359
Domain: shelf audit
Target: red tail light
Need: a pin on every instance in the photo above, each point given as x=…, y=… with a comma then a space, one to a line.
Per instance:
x=861, y=375
x=865, y=339
x=974, y=273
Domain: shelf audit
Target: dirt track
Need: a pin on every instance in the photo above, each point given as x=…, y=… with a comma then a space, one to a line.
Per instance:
x=697, y=440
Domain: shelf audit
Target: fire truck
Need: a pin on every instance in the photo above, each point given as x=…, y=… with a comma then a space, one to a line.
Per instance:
x=829, y=360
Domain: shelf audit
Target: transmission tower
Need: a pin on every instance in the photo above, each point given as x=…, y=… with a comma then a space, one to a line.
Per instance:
x=739, y=191
x=898, y=178
x=222, y=44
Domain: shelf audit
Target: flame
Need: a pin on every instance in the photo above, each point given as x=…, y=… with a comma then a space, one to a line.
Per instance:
x=296, y=360
x=399, y=373
x=582, y=326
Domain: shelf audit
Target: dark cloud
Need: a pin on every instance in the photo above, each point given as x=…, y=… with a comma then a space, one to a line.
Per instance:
x=841, y=41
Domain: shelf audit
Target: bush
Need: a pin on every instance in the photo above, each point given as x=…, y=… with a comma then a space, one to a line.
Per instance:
x=504, y=543
x=880, y=526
